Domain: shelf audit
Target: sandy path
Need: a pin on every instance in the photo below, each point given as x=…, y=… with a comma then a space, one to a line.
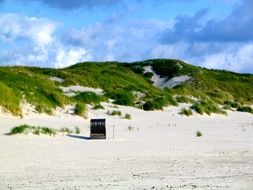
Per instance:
x=162, y=152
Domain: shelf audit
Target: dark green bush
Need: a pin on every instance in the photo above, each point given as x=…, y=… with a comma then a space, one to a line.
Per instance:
x=245, y=109
x=20, y=129
x=89, y=98
x=156, y=104
x=232, y=104
x=167, y=68
x=148, y=75
x=122, y=97
x=198, y=134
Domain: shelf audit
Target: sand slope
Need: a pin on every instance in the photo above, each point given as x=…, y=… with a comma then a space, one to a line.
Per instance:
x=161, y=151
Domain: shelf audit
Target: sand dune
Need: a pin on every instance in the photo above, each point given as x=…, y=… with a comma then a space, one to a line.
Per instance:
x=163, y=82
x=159, y=151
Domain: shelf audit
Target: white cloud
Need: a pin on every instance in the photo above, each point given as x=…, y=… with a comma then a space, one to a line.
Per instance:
x=128, y=41
x=237, y=58
x=31, y=41
x=71, y=56
x=37, y=30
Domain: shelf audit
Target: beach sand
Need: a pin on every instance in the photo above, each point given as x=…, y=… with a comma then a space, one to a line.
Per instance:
x=153, y=150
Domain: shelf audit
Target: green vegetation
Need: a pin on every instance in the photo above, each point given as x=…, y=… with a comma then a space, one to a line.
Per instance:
x=119, y=81
x=77, y=130
x=9, y=99
x=207, y=106
x=115, y=112
x=19, y=129
x=26, y=129
x=128, y=116
x=89, y=98
x=130, y=128
x=184, y=99
x=65, y=130
x=245, y=109
x=81, y=110
x=122, y=97
x=232, y=104
x=98, y=106
x=198, y=134
x=157, y=103
x=186, y=112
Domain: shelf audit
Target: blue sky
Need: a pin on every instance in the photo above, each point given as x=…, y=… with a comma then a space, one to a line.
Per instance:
x=58, y=33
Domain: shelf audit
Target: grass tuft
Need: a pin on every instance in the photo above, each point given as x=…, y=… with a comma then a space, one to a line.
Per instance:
x=26, y=129
x=130, y=128
x=81, y=110
x=128, y=116
x=186, y=112
x=98, y=106
x=115, y=112
x=208, y=107
x=199, y=134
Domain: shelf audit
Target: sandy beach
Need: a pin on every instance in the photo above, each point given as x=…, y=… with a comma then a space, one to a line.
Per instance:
x=153, y=150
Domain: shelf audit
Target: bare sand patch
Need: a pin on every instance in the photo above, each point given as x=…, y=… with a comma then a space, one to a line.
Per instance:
x=161, y=152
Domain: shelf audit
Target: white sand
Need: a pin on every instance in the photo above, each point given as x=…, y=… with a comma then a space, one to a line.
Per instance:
x=161, y=152
x=162, y=82
x=71, y=90
x=56, y=79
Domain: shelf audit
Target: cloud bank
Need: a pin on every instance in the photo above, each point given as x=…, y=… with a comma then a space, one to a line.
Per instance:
x=31, y=41
x=221, y=43
x=73, y=4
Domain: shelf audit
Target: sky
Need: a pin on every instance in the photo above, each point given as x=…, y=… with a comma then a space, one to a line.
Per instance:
x=58, y=33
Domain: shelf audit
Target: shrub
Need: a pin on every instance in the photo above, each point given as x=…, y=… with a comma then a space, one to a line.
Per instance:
x=167, y=68
x=20, y=129
x=155, y=104
x=115, y=112
x=198, y=134
x=232, y=104
x=186, y=112
x=148, y=75
x=128, y=116
x=122, y=97
x=89, y=98
x=245, y=109
x=80, y=110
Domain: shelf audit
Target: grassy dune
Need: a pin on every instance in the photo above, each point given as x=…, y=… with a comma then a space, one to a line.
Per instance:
x=120, y=81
